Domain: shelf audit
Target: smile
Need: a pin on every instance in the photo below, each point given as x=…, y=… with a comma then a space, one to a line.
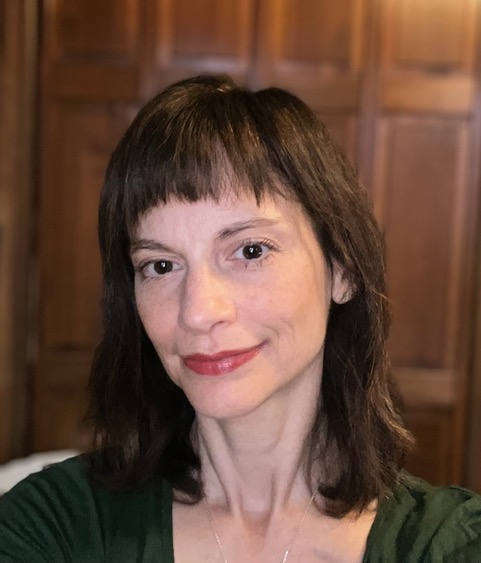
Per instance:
x=222, y=362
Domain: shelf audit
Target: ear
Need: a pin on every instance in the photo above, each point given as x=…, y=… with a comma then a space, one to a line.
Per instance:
x=341, y=289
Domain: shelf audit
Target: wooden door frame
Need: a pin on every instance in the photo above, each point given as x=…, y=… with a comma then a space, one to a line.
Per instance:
x=18, y=83
x=472, y=474
x=473, y=461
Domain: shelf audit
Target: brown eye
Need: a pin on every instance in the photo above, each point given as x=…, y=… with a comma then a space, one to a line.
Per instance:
x=162, y=267
x=252, y=251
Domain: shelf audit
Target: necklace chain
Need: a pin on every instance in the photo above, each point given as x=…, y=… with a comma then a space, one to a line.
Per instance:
x=291, y=543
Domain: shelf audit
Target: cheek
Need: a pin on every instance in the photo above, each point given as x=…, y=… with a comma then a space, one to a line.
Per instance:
x=303, y=305
x=302, y=291
x=158, y=317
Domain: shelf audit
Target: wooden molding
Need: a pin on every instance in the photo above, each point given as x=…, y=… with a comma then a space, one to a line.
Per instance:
x=18, y=45
x=473, y=469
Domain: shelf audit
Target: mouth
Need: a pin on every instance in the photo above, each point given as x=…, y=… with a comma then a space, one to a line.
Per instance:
x=221, y=362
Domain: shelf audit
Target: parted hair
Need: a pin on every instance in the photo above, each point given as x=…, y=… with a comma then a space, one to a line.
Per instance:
x=181, y=146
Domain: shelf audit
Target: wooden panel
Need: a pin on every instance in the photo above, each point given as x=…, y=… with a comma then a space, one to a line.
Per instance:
x=427, y=55
x=3, y=43
x=436, y=34
x=432, y=457
x=316, y=32
x=301, y=34
x=78, y=144
x=58, y=415
x=6, y=375
x=424, y=169
x=473, y=466
x=420, y=192
x=92, y=48
x=429, y=94
x=18, y=62
x=208, y=29
x=315, y=49
x=60, y=400
x=202, y=37
x=89, y=29
x=425, y=388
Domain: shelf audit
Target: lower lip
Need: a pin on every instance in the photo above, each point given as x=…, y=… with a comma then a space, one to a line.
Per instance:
x=223, y=365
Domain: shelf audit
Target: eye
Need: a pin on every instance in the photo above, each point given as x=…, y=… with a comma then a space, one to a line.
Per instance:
x=252, y=251
x=158, y=268
x=162, y=266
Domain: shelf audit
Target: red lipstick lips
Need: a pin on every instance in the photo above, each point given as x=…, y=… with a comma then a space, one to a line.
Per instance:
x=222, y=362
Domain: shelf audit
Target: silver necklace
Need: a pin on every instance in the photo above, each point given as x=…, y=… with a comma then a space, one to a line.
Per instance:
x=291, y=543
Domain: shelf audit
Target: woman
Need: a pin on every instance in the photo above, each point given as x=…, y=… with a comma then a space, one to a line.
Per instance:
x=240, y=394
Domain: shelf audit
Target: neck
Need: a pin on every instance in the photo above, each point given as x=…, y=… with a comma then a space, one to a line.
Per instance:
x=255, y=464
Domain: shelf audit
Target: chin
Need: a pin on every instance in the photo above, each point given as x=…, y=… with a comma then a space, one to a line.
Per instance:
x=224, y=404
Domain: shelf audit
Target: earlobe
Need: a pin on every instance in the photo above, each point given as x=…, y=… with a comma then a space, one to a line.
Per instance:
x=341, y=291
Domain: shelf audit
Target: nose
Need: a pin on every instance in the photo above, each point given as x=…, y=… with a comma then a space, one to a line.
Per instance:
x=207, y=300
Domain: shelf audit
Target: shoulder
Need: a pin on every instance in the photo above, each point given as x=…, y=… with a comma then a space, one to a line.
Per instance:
x=419, y=522
x=37, y=516
x=57, y=515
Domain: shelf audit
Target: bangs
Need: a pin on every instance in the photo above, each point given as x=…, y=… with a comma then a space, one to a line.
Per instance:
x=193, y=148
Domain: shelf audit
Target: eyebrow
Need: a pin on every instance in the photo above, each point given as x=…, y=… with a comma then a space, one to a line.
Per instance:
x=149, y=244
x=231, y=230
x=235, y=228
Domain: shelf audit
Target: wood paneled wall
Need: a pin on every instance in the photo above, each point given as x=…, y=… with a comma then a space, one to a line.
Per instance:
x=17, y=119
x=474, y=388
x=397, y=83
x=425, y=185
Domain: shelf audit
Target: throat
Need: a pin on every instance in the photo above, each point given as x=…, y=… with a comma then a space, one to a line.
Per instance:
x=258, y=531
x=253, y=472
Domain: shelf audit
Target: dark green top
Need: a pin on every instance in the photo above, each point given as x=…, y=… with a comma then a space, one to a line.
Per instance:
x=56, y=516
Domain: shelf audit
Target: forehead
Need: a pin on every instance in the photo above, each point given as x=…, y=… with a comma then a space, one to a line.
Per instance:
x=229, y=204
x=222, y=218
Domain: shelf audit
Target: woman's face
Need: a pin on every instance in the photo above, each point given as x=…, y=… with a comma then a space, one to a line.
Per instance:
x=234, y=297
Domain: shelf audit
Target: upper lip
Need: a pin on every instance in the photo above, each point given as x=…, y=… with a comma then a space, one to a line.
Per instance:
x=219, y=355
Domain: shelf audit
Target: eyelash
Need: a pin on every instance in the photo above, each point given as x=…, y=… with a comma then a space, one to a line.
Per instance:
x=255, y=242
x=142, y=267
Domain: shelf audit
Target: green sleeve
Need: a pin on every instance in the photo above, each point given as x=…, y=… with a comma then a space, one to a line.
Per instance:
x=424, y=524
x=56, y=516
x=42, y=518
